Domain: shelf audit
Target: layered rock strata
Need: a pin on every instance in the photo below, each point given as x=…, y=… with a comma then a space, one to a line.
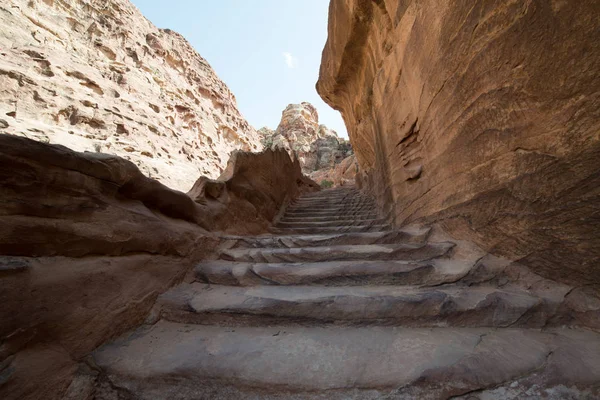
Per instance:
x=480, y=115
x=97, y=76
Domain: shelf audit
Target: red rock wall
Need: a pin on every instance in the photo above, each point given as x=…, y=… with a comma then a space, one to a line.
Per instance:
x=482, y=115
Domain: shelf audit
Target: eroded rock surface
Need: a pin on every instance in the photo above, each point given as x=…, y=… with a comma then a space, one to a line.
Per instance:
x=88, y=242
x=316, y=146
x=481, y=115
x=341, y=314
x=97, y=76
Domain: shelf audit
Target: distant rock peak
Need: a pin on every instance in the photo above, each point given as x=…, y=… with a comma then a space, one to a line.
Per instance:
x=317, y=147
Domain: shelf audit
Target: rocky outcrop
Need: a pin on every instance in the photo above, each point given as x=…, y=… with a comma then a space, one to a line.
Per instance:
x=251, y=192
x=480, y=115
x=316, y=146
x=342, y=174
x=97, y=76
x=88, y=242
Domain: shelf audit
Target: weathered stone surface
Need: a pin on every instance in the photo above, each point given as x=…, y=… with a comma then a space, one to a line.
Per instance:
x=251, y=192
x=481, y=115
x=98, y=76
x=87, y=243
x=342, y=174
x=340, y=362
x=316, y=146
x=384, y=314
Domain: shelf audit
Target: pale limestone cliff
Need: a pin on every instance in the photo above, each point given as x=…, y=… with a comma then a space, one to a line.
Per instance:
x=95, y=75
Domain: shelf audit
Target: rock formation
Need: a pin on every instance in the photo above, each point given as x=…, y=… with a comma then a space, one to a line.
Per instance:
x=481, y=115
x=316, y=146
x=97, y=76
x=87, y=243
x=342, y=174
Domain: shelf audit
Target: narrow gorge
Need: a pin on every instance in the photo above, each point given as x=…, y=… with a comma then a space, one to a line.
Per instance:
x=155, y=245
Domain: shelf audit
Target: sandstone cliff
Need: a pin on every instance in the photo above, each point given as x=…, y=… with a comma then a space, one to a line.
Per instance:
x=316, y=146
x=95, y=75
x=481, y=115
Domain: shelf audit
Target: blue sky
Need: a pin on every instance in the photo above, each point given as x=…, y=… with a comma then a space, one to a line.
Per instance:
x=267, y=51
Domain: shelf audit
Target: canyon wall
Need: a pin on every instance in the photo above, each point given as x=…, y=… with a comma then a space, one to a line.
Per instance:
x=481, y=115
x=95, y=75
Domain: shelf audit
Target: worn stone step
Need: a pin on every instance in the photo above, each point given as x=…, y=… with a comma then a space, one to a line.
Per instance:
x=320, y=224
x=333, y=273
x=458, y=306
x=332, y=201
x=288, y=241
x=362, y=217
x=332, y=214
x=335, y=197
x=324, y=211
x=332, y=229
x=177, y=361
x=403, y=251
x=324, y=194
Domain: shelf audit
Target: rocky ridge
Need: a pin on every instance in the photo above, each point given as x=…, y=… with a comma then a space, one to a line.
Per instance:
x=317, y=147
x=97, y=76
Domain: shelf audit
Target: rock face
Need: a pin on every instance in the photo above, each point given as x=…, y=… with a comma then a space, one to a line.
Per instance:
x=481, y=115
x=88, y=242
x=316, y=146
x=97, y=76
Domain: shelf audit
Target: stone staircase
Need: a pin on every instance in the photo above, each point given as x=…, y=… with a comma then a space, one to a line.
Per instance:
x=337, y=305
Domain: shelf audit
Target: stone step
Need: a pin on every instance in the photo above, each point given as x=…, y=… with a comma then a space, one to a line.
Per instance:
x=332, y=201
x=361, y=217
x=458, y=306
x=338, y=229
x=334, y=223
x=324, y=212
x=333, y=273
x=336, y=197
x=288, y=241
x=177, y=361
x=404, y=251
x=324, y=194
x=331, y=208
x=328, y=214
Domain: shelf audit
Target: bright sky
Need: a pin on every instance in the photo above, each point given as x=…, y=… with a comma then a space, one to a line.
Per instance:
x=267, y=51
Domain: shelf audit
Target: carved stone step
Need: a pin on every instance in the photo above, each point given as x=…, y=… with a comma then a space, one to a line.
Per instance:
x=328, y=213
x=333, y=273
x=332, y=229
x=336, y=218
x=274, y=363
x=325, y=223
x=458, y=306
x=405, y=251
x=289, y=241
